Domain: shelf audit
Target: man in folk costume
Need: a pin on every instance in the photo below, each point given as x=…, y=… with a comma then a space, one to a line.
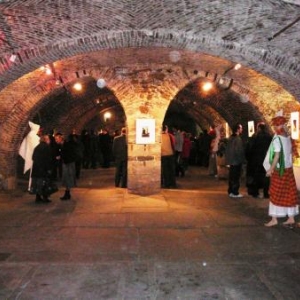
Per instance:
x=26, y=149
x=283, y=190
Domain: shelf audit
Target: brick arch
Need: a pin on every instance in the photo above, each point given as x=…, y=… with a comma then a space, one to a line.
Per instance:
x=219, y=105
x=19, y=112
x=264, y=62
x=71, y=77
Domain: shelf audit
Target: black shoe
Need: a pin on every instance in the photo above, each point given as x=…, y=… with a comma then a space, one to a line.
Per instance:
x=46, y=200
x=66, y=196
x=38, y=199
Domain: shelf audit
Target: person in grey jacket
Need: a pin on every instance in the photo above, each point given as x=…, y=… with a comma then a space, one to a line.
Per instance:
x=235, y=157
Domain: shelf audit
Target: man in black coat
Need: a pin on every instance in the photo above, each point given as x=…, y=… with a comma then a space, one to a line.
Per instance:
x=120, y=155
x=105, y=147
x=256, y=150
x=41, y=168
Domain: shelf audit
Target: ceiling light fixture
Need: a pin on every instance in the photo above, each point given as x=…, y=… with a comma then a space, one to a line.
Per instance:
x=48, y=71
x=107, y=116
x=207, y=86
x=234, y=67
x=77, y=86
x=224, y=82
x=101, y=83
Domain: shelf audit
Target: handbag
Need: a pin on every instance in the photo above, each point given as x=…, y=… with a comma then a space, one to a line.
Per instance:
x=266, y=162
x=270, y=156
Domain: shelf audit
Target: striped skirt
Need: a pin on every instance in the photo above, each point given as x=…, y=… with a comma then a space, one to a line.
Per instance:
x=283, y=190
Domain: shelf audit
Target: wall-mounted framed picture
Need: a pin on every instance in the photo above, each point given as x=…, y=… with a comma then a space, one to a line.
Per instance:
x=251, y=129
x=145, y=131
x=295, y=125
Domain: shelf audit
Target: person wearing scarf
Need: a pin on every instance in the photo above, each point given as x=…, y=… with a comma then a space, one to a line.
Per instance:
x=283, y=190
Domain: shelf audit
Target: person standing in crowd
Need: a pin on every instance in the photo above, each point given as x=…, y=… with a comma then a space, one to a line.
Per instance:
x=235, y=157
x=178, y=150
x=186, y=151
x=119, y=150
x=204, y=148
x=79, y=153
x=214, y=145
x=41, y=168
x=256, y=150
x=53, y=147
x=283, y=189
x=86, y=141
x=105, y=147
x=222, y=169
x=94, y=148
x=68, y=155
x=168, y=178
x=58, y=139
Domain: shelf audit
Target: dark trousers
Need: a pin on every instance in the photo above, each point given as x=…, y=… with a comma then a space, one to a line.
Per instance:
x=78, y=164
x=106, y=155
x=234, y=179
x=260, y=181
x=168, y=178
x=121, y=173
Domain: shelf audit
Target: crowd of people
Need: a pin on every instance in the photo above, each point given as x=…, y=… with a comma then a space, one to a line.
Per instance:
x=229, y=157
x=267, y=159
x=60, y=157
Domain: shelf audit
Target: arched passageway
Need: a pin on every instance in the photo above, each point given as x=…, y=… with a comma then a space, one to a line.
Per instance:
x=146, y=65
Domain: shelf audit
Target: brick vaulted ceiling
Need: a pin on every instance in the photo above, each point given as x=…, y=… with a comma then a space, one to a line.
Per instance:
x=164, y=47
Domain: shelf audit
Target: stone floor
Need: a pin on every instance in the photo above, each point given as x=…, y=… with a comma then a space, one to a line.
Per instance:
x=190, y=243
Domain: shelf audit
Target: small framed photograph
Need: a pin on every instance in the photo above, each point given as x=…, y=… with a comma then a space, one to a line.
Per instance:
x=295, y=125
x=251, y=128
x=145, y=131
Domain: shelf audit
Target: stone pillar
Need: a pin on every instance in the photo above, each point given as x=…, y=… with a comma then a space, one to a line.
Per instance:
x=8, y=172
x=144, y=169
x=144, y=164
x=146, y=96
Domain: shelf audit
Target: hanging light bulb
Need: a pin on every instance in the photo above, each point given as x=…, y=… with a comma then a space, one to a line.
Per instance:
x=77, y=86
x=207, y=86
x=107, y=116
x=48, y=72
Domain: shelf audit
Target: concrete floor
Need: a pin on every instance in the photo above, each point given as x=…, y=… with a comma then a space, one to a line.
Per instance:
x=191, y=243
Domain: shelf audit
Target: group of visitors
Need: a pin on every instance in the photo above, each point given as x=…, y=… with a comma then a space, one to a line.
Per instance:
x=269, y=167
x=269, y=161
x=59, y=157
x=54, y=156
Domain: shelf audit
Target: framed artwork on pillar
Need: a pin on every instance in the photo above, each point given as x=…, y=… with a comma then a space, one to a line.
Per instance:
x=295, y=125
x=145, y=131
x=251, y=129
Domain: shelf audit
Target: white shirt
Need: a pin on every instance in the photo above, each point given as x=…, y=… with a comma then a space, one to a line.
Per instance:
x=287, y=149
